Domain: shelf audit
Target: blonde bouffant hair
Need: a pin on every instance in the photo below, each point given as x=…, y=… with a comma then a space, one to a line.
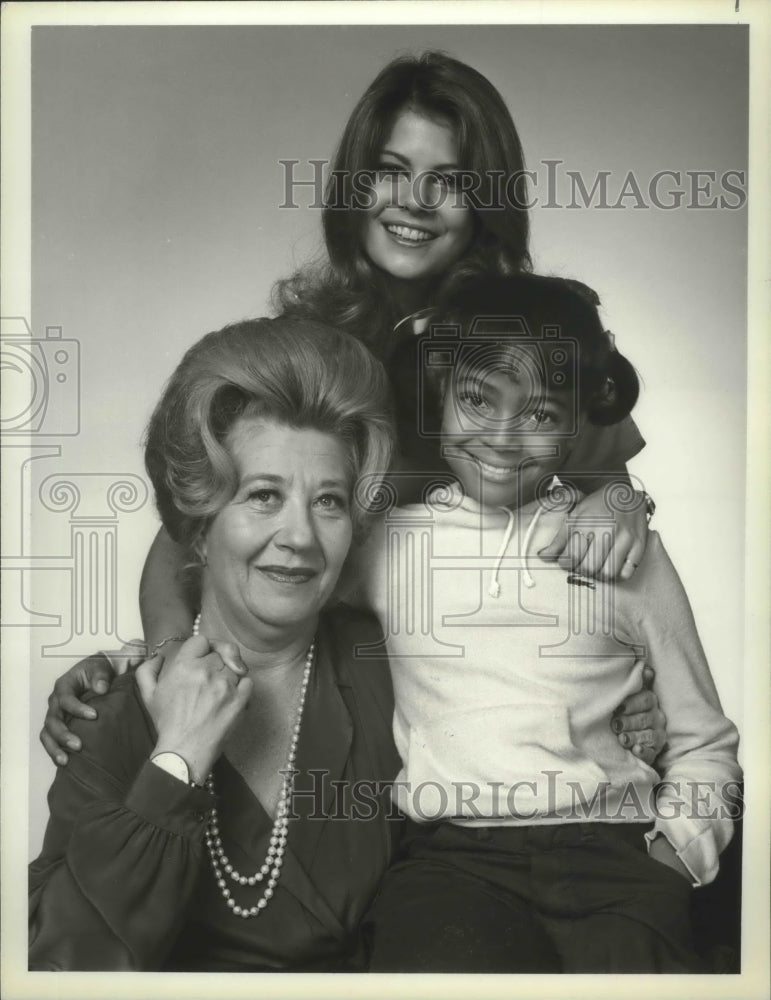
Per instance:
x=296, y=372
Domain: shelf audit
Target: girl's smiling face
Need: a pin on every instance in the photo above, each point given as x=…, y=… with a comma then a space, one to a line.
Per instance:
x=418, y=226
x=502, y=434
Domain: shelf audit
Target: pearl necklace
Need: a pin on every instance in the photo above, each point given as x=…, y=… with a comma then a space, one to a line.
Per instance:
x=274, y=859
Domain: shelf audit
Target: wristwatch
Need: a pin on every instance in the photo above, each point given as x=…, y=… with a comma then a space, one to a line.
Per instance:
x=174, y=765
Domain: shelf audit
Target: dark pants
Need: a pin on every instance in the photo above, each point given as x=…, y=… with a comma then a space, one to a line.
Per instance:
x=574, y=897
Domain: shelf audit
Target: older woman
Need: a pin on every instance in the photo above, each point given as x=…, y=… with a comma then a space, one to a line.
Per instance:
x=171, y=842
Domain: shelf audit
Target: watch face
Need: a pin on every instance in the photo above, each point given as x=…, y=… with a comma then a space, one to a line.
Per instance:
x=173, y=764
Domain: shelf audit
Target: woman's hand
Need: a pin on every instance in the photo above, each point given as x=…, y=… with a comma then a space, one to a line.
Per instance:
x=579, y=546
x=95, y=673
x=194, y=703
x=639, y=723
x=663, y=851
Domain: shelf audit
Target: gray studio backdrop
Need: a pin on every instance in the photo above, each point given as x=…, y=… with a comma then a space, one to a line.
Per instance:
x=156, y=217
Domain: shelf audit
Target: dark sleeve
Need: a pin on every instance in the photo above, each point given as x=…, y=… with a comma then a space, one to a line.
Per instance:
x=602, y=451
x=121, y=854
x=417, y=409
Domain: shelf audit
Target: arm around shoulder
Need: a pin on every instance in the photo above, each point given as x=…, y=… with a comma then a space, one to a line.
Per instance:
x=166, y=596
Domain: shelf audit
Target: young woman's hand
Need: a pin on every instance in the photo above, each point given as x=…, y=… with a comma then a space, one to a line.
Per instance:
x=95, y=673
x=194, y=702
x=639, y=724
x=579, y=545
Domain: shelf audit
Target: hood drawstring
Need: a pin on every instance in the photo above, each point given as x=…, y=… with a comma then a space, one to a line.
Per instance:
x=495, y=588
x=529, y=581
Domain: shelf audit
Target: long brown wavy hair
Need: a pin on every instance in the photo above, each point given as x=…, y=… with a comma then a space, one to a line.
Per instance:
x=346, y=290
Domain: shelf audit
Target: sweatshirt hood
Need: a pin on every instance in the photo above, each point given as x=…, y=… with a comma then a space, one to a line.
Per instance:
x=454, y=497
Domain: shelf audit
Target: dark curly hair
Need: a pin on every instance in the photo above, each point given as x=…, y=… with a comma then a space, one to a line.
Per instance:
x=484, y=322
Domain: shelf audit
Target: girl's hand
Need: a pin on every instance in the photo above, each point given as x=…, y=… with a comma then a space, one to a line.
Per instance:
x=639, y=723
x=194, y=703
x=580, y=544
x=95, y=673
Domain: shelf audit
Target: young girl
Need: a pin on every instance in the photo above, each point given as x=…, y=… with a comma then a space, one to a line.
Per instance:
x=437, y=156
x=535, y=843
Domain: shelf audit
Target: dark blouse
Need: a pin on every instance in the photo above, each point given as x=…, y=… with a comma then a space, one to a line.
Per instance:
x=124, y=881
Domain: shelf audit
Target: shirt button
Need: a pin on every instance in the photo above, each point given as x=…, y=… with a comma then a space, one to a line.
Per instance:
x=483, y=833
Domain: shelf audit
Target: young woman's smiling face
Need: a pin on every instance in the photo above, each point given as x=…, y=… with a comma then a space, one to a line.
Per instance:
x=418, y=226
x=502, y=434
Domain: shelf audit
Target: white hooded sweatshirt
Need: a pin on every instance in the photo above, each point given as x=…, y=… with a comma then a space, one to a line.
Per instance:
x=507, y=669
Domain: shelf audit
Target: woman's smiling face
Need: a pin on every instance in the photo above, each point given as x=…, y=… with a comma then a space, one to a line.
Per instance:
x=274, y=553
x=418, y=226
